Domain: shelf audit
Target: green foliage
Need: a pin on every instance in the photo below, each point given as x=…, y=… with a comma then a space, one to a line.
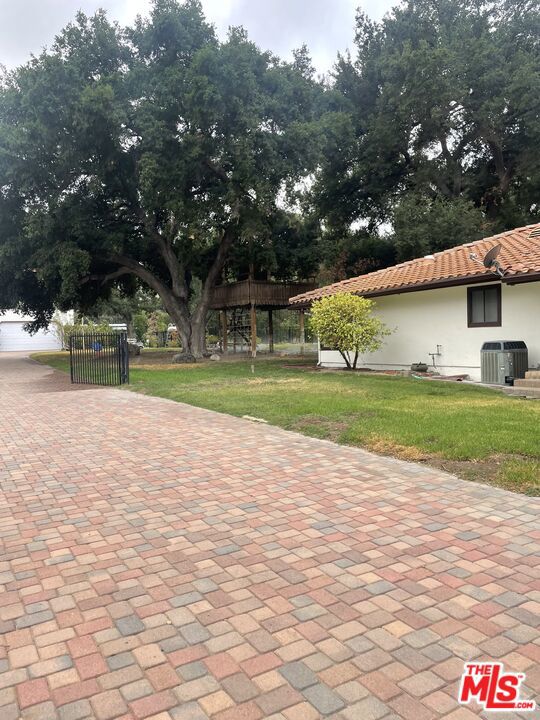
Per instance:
x=140, y=325
x=285, y=247
x=141, y=156
x=439, y=106
x=161, y=156
x=345, y=322
x=348, y=253
x=158, y=321
x=119, y=306
x=157, y=324
x=423, y=225
x=64, y=331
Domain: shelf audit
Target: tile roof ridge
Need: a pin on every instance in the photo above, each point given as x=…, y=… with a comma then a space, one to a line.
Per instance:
x=450, y=263
x=453, y=249
x=511, y=232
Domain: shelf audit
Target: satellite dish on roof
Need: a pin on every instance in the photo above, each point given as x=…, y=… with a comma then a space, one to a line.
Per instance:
x=490, y=260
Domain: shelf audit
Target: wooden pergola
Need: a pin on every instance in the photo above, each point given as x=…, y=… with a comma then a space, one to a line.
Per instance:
x=257, y=294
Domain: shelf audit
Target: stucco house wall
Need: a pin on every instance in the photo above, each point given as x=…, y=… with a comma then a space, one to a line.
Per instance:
x=424, y=319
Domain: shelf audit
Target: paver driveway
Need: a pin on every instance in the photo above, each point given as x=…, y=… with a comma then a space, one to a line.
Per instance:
x=158, y=560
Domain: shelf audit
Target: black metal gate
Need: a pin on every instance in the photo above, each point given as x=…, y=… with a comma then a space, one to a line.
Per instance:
x=99, y=358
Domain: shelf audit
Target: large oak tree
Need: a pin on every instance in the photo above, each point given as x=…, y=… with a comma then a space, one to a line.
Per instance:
x=144, y=155
x=436, y=123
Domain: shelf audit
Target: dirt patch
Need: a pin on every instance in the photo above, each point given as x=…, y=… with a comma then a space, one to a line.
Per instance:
x=326, y=428
x=155, y=357
x=487, y=470
x=165, y=365
x=254, y=380
x=383, y=446
x=321, y=427
x=362, y=371
x=476, y=470
x=304, y=368
x=513, y=472
x=491, y=470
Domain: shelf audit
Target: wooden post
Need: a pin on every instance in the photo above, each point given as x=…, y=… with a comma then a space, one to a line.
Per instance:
x=253, y=331
x=302, y=332
x=270, y=331
x=223, y=314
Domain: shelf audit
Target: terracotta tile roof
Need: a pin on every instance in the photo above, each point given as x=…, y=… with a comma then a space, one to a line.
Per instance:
x=519, y=256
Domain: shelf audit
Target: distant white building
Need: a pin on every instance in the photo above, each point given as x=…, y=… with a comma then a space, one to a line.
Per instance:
x=14, y=338
x=442, y=308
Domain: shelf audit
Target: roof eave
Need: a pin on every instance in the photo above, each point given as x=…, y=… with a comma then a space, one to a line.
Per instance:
x=513, y=279
x=519, y=278
x=416, y=287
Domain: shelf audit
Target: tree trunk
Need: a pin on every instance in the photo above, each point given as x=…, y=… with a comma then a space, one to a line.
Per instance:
x=191, y=327
x=345, y=356
x=198, y=338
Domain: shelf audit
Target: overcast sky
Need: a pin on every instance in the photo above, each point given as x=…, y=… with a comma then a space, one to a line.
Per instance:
x=326, y=26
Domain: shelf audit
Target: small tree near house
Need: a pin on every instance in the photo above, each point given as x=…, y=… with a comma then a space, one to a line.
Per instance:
x=345, y=322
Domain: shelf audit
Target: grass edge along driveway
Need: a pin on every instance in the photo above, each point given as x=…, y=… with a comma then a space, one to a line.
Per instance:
x=476, y=433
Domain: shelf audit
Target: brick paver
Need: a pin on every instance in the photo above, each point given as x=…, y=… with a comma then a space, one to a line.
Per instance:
x=162, y=561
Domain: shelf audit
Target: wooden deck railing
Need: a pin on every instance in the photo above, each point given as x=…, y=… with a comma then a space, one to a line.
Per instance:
x=262, y=293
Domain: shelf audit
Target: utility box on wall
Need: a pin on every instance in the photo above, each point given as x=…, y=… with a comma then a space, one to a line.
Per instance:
x=502, y=361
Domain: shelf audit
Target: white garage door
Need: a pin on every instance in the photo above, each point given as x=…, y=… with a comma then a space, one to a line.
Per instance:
x=14, y=337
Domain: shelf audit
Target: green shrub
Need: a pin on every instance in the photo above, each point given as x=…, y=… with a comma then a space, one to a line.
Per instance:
x=140, y=325
x=345, y=322
x=64, y=331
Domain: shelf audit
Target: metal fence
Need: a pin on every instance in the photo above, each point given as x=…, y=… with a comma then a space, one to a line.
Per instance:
x=99, y=358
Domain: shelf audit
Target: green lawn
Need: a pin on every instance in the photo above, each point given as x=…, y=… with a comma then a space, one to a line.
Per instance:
x=477, y=433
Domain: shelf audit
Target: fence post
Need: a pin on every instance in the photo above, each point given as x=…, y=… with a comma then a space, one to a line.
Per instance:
x=270, y=331
x=253, y=331
x=125, y=358
x=71, y=357
x=302, y=332
x=223, y=315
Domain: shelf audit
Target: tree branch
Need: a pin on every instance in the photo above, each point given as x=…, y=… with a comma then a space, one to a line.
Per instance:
x=174, y=266
x=465, y=140
x=107, y=276
x=345, y=356
x=217, y=170
x=444, y=147
x=166, y=251
x=453, y=164
x=504, y=173
x=442, y=185
x=143, y=273
x=216, y=268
